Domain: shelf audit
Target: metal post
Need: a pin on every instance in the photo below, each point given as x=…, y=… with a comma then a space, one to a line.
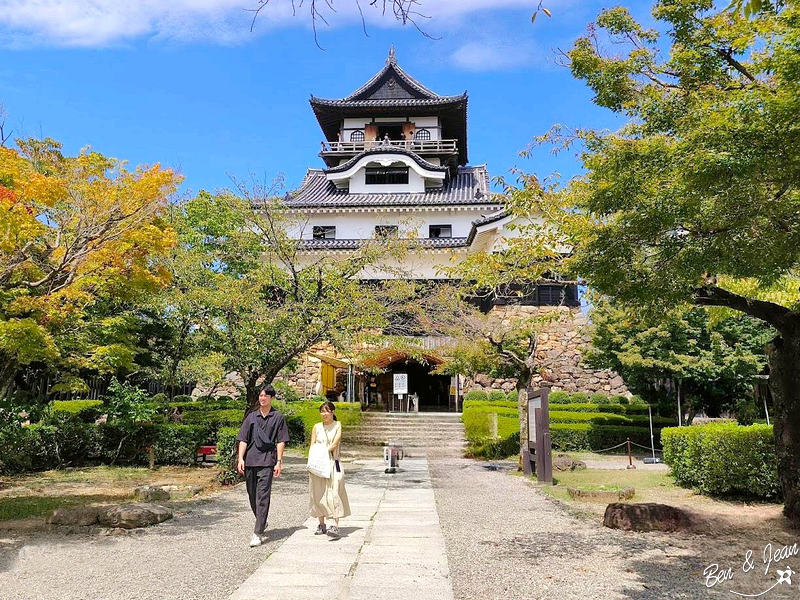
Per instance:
x=766, y=410
x=652, y=442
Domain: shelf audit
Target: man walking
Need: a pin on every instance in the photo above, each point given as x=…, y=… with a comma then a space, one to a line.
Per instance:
x=262, y=440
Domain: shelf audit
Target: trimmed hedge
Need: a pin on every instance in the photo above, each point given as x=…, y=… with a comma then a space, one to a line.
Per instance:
x=603, y=418
x=724, y=459
x=621, y=409
x=87, y=411
x=479, y=395
x=587, y=436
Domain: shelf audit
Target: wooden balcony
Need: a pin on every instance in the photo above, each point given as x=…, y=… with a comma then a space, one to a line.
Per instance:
x=421, y=147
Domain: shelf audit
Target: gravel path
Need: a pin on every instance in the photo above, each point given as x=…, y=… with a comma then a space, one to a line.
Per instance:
x=202, y=553
x=507, y=540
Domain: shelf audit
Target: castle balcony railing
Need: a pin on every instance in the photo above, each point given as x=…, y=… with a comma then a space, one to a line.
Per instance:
x=417, y=146
x=425, y=342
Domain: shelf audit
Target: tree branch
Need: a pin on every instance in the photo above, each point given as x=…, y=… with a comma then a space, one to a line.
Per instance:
x=711, y=295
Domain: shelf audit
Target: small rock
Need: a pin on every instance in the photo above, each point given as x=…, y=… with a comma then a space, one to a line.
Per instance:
x=562, y=462
x=646, y=517
x=83, y=516
x=150, y=493
x=130, y=516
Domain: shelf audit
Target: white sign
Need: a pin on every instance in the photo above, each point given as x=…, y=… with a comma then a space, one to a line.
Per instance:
x=400, y=383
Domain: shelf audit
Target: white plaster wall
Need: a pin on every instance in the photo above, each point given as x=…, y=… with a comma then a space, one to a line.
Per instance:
x=415, y=265
x=411, y=223
x=416, y=184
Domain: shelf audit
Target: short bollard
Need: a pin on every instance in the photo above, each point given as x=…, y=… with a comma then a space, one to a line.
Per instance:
x=392, y=455
x=630, y=458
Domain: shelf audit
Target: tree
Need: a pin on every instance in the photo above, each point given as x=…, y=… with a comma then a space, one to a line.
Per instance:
x=254, y=299
x=696, y=198
x=701, y=363
x=78, y=238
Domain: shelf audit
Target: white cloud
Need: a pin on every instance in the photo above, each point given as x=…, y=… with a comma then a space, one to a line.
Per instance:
x=489, y=55
x=93, y=23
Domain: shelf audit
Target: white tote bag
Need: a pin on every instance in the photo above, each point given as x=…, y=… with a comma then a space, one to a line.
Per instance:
x=319, y=460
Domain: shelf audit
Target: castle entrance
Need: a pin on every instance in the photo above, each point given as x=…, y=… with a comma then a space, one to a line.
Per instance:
x=431, y=390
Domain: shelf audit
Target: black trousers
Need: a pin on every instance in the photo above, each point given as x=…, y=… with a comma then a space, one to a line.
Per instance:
x=259, y=488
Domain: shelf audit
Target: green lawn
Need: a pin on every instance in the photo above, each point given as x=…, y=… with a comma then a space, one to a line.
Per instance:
x=650, y=486
x=24, y=507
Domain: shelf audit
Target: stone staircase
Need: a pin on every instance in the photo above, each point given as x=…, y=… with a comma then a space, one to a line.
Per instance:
x=442, y=432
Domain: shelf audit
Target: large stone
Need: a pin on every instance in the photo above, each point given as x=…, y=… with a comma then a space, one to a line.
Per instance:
x=562, y=462
x=131, y=516
x=83, y=516
x=606, y=495
x=648, y=516
x=150, y=493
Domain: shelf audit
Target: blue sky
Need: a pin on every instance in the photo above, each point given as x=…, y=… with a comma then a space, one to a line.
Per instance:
x=185, y=83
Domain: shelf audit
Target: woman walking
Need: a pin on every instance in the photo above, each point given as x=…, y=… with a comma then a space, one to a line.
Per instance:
x=328, y=497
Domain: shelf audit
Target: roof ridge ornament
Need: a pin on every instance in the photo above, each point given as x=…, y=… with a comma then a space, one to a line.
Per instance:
x=392, y=59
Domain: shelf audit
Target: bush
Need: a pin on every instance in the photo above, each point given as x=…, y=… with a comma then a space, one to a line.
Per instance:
x=178, y=444
x=558, y=397
x=637, y=400
x=599, y=398
x=214, y=419
x=578, y=398
x=587, y=436
x=160, y=399
x=724, y=459
x=128, y=404
x=224, y=399
x=497, y=396
x=182, y=398
x=619, y=399
x=85, y=410
x=286, y=392
x=479, y=395
x=302, y=416
x=605, y=418
x=513, y=396
x=485, y=403
x=748, y=412
x=226, y=455
x=609, y=408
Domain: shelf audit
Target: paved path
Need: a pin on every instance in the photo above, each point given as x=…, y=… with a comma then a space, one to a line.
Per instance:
x=392, y=546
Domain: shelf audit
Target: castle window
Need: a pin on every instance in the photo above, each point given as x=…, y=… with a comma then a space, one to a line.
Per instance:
x=384, y=175
x=422, y=134
x=440, y=231
x=383, y=232
x=357, y=136
x=324, y=232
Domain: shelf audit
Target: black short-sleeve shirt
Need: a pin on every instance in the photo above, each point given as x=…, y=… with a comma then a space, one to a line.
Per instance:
x=262, y=435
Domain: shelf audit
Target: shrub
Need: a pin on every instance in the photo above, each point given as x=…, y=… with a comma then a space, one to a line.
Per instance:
x=619, y=399
x=748, y=412
x=605, y=418
x=160, y=399
x=558, y=397
x=286, y=392
x=599, y=398
x=578, y=398
x=609, y=408
x=302, y=416
x=226, y=455
x=128, y=404
x=513, y=396
x=637, y=400
x=224, y=399
x=587, y=436
x=85, y=410
x=724, y=459
x=497, y=395
x=182, y=398
x=178, y=444
x=480, y=395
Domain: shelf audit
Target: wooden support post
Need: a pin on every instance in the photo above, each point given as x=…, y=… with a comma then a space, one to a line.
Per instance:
x=630, y=458
x=493, y=425
x=151, y=457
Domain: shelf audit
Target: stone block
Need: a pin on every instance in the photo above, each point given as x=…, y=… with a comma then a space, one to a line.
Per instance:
x=648, y=516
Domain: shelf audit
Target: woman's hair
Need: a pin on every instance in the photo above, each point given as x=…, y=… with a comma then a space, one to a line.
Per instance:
x=330, y=406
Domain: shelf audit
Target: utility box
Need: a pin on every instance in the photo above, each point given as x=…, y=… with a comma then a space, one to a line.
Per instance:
x=537, y=458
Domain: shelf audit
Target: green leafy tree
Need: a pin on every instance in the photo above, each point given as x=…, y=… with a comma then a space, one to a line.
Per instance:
x=696, y=198
x=704, y=365
x=242, y=289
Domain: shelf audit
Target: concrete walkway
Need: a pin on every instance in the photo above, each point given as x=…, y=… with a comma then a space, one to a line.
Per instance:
x=391, y=547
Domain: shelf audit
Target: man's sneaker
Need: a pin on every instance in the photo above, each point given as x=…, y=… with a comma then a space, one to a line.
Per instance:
x=333, y=532
x=321, y=529
x=264, y=538
x=255, y=540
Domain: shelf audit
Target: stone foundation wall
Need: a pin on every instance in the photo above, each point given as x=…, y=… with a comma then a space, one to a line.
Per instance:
x=560, y=353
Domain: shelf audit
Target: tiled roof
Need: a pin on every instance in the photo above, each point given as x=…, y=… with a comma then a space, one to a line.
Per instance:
x=491, y=218
x=354, y=244
x=388, y=149
x=370, y=103
x=469, y=186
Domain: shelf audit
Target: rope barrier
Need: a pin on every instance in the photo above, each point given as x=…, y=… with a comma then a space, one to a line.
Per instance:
x=612, y=447
x=646, y=447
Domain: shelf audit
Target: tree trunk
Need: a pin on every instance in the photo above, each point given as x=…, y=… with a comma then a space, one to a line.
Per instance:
x=784, y=382
x=523, y=382
x=251, y=392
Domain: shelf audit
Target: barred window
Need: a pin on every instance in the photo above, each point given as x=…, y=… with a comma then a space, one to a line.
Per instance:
x=395, y=175
x=357, y=136
x=422, y=134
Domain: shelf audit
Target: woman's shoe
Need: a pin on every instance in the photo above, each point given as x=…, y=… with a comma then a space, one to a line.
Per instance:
x=321, y=529
x=333, y=532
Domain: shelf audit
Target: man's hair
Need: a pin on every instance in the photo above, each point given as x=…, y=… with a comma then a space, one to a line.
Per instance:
x=268, y=390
